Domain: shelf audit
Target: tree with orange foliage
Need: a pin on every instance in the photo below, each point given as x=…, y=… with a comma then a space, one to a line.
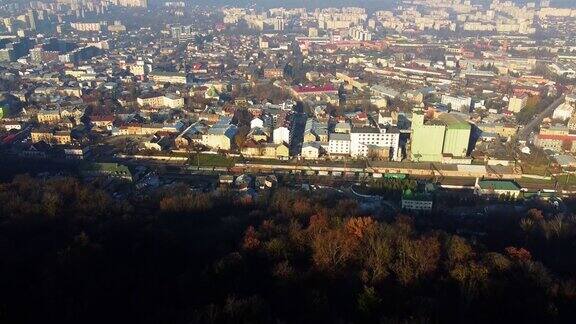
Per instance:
x=414, y=259
x=404, y=224
x=471, y=277
x=319, y=223
x=535, y=215
x=376, y=254
x=519, y=254
x=250, y=241
x=333, y=250
x=458, y=251
x=358, y=226
x=302, y=207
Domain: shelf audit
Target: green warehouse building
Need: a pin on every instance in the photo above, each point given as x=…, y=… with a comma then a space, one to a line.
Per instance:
x=427, y=139
x=457, y=136
x=447, y=135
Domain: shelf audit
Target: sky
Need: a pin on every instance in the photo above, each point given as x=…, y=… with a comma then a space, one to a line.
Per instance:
x=369, y=4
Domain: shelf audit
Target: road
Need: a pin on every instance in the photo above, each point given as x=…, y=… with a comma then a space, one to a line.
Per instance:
x=387, y=203
x=524, y=134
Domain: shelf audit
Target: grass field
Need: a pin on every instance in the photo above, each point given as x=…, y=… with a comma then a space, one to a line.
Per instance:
x=531, y=183
x=566, y=180
x=355, y=164
x=536, y=169
x=211, y=160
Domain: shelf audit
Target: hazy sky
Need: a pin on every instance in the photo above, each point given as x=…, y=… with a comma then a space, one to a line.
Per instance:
x=339, y=3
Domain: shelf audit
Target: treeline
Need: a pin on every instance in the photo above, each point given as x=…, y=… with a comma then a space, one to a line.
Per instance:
x=69, y=253
x=391, y=188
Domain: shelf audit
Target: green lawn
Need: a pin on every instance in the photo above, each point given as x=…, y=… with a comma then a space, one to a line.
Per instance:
x=536, y=169
x=566, y=180
x=211, y=160
x=293, y=162
x=263, y=161
x=531, y=183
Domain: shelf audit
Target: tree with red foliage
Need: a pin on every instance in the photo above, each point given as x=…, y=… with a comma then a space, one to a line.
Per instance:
x=520, y=254
x=250, y=241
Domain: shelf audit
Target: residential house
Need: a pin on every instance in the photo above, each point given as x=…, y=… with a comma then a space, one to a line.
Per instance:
x=221, y=135
x=311, y=150
x=51, y=136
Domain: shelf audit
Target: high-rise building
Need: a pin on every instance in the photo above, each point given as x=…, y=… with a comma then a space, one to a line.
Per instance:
x=279, y=24
x=517, y=103
x=360, y=34
x=8, y=23
x=312, y=32
x=182, y=32
x=32, y=19
x=86, y=26
x=133, y=3
x=6, y=55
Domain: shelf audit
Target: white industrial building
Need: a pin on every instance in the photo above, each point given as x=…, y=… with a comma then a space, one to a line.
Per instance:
x=362, y=139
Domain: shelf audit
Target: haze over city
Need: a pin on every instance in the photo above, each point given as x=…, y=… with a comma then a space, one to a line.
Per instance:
x=231, y=161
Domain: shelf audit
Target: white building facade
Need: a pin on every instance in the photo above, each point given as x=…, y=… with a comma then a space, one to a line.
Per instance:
x=339, y=144
x=363, y=138
x=461, y=104
x=281, y=135
x=563, y=112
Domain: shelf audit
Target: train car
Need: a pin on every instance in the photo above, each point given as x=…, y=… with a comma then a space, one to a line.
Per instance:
x=400, y=176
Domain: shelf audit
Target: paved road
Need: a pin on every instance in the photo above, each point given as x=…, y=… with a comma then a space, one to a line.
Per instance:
x=387, y=203
x=524, y=134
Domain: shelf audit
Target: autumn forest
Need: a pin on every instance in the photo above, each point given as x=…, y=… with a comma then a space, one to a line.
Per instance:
x=70, y=253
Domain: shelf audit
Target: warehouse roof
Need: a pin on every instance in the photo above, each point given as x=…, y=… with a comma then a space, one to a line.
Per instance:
x=498, y=185
x=454, y=121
